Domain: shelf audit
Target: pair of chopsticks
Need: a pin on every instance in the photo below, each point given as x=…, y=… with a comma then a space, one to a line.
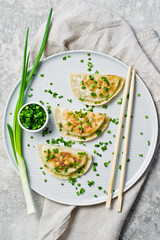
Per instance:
x=116, y=148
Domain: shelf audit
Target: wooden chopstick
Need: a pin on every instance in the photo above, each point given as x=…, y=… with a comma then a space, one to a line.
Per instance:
x=116, y=148
x=127, y=131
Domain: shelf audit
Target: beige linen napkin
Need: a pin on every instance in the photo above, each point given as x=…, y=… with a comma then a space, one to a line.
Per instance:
x=85, y=25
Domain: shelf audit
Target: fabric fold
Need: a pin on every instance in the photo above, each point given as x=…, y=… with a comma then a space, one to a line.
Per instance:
x=83, y=25
x=55, y=219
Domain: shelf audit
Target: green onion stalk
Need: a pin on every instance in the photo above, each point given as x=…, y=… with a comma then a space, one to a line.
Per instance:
x=15, y=134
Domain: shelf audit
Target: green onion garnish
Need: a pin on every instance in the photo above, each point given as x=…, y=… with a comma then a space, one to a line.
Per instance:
x=106, y=163
x=90, y=183
x=141, y=155
x=105, y=106
x=90, y=65
x=93, y=94
x=120, y=167
x=33, y=116
x=82, y=190
x=69, y=100
x=15, y=135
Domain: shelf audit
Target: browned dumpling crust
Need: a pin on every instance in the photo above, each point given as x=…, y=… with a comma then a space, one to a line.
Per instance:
x=95, y=89
x=64, y=162
x=80, y=125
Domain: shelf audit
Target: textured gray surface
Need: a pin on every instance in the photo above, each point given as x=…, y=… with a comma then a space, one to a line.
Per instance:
x=143, y=221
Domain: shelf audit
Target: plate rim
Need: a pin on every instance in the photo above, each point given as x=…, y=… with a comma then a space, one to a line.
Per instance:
x=140, y=174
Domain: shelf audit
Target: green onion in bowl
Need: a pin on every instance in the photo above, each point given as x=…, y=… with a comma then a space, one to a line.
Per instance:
x=33, y=117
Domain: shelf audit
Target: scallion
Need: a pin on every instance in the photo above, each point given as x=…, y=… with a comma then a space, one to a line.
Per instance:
x=15, y=135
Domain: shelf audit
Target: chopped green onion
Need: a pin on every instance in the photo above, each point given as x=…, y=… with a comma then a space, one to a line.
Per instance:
x=90, y=183
x=90, y=65
x=141, y=155
x=32, y=116
x=54, y=94
x=106, y=163
x=69, y=100
x=82, y=190
x=97, y=145
x=98, y=132
x=41, y=102
x=105, y=106
x=93, y=94
x=120, y=102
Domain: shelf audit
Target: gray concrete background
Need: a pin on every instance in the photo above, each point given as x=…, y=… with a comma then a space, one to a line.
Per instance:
x=143, y=221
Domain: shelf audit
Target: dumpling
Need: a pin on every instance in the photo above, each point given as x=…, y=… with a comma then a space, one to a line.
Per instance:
x=64, y=162
x=80, y=125
x=95, y=89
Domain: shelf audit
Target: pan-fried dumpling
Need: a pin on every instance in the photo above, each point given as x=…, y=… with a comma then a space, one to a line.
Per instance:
x=80, y=125
x=64, y=162
x=95, y=89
